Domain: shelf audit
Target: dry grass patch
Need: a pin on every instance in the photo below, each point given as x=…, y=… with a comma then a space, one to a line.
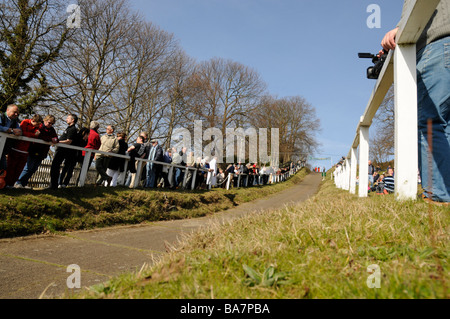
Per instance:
x=319, y=249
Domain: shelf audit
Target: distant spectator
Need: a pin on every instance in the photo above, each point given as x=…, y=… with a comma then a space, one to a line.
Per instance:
x=190, y=163
x=166, y=169
x=109, y=144
x=212, y=180
x=17, y=157
x=38, y=152
x=137, y=150
x=174, y=172
x=9, y=123
x=154, y=169
x=371, y=171
x=389, y=181
x=116, y=164
x=93, y=141
x=68, y=156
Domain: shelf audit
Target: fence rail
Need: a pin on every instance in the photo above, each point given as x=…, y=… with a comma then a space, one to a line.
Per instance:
x=84, y=175
x=400, y=69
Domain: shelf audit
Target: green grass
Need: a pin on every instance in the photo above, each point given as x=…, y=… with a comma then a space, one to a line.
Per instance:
x=25, y=212
x=321, y=248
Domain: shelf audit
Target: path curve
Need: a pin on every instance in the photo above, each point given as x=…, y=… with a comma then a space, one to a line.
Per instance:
x=37, y=265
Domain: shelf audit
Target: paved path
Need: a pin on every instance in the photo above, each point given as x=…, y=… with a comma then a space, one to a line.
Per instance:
x=30, y=266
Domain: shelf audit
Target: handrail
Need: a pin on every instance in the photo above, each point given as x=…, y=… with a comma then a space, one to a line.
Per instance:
x=400, y=69
x=85, y=165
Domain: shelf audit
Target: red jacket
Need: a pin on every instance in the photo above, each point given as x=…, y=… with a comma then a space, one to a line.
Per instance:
x=93, y=142
x=28, y=130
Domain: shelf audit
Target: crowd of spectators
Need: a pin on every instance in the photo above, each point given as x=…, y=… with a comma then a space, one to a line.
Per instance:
x=21, y=159
x=381, y=183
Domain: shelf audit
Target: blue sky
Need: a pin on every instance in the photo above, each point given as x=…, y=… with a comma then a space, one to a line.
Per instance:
x=299, y=47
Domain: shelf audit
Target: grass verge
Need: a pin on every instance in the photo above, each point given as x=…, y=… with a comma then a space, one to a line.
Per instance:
x=321, y=248
x=24, y=212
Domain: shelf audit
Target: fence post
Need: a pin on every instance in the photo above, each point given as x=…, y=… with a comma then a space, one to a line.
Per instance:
x=347, y=175
x=186, y=172
x=363, y=160
x=406, y=140
x=353, y=165
x=85, y=168
x=194, y=177
x=137, y=179
x=230, y=175
x=123, y=175
x=2, y=144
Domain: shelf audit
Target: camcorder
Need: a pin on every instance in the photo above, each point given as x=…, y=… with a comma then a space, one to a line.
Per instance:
x=374, y=71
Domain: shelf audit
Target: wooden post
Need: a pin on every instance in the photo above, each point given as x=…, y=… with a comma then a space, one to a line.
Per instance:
x=194, y=177
x=85, y=168
x=353, y=165
x=406, y=148
x=363, y=161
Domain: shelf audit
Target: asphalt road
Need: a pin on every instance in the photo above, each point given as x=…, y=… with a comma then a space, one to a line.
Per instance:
x=37, y=266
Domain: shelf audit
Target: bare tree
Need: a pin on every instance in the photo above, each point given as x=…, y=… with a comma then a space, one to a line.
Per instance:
x=88, y=75
x=297, y=123
x=140, y=99
x=224, y=92
x=382, y=144
x=32, y=34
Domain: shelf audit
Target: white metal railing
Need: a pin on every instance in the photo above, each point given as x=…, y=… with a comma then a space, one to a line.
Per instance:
x=400, y=68
x=140, y=167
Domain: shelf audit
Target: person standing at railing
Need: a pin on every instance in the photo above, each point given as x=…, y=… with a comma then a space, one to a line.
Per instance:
x=17, y=157
x=154, y=170
x=167, y=158
x=93, y=141
x=371, y=170
x=389, y=185
x=116, y=164
x=137, y=150
x=433, y=97
x=68, y=156
x=38, y=152
x=109, y=144
x=9, y=123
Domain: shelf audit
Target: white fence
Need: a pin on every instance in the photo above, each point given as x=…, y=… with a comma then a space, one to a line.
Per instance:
x=400, y=68
x=86, y=175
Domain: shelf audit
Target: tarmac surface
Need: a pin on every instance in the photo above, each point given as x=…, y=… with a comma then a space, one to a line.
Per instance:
x=37, y=266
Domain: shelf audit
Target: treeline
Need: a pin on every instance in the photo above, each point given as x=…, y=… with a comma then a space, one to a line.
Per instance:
x=105, y=62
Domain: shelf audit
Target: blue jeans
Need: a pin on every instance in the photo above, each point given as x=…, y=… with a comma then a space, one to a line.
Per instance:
x=433, y=88
x=151, y=176
x=30, y=168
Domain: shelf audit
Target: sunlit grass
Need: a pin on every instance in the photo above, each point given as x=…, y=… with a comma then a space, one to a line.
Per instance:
x=318, y=249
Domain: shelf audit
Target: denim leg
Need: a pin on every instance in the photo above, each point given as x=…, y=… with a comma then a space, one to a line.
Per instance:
x=433, y=83
x=30, y=168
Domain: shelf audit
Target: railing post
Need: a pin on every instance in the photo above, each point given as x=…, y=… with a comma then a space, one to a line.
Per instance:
x=123, y=175
x=194, y=177
x=85, y=168
x=2, y=144
x=186, y=172
x=346, y=175
x=363, y=160
x=406, y=148
x=353, y=165
x=230, y=175
x=139, y=170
